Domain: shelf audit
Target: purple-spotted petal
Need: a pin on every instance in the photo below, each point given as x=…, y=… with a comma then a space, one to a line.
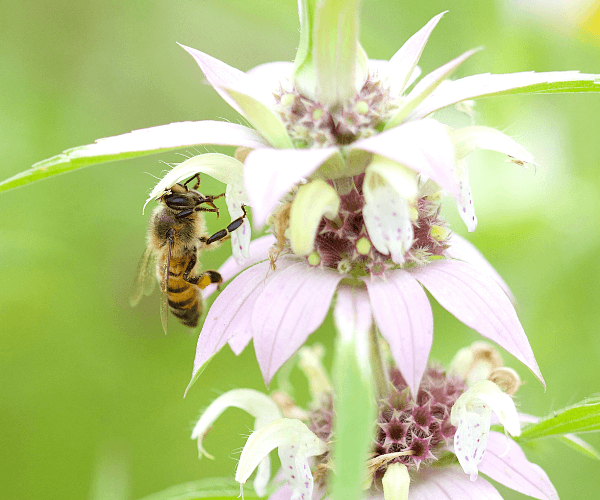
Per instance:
x=271, y=173
x=292, y=306
x=258, y=250
x=464, y=200
x=450, y=483
x=387, y=219
x=404, y=61
x=506, y=463
x=476, y=300
x=464, y=250
x=486, y=84
x=423, y=146
x=403, y=315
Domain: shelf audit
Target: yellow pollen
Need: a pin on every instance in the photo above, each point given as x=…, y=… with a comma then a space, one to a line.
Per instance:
x=363, y=246
x=317, y=114
x=314, y=259
x=439, y=233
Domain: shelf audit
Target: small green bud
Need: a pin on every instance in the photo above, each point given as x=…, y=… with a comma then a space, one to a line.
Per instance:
x=439, y=233
x=314, y=259
x=363, y=246
x=361, y=107
x=287, y=100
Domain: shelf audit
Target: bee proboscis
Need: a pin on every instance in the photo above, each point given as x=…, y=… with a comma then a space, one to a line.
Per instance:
x=177, y=235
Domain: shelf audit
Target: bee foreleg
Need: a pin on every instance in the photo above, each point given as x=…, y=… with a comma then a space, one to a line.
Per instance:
x=197, y=185
x=225, y=233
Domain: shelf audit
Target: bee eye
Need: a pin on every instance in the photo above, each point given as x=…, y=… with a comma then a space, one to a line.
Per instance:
x=177, y=201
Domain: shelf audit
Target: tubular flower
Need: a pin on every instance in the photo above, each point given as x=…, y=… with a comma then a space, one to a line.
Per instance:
x=418, y=448
x=334, y=115
x=347, y=165
x=350, y=183
x=279, y=309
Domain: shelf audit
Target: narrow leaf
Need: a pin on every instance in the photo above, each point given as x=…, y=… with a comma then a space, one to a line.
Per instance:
x=582, y=417
x=487, y=85
x=576, y=443
x=205, y=489
x=141, y=142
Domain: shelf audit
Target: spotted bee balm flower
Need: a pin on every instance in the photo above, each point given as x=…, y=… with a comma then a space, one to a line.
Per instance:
x=347, y=166
x=431, y=445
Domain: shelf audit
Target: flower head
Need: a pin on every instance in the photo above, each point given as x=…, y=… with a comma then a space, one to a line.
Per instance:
x=421, y=442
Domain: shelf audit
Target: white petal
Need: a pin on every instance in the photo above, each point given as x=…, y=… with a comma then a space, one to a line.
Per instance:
x=404, y=61
x=468, y=139
x=464, y=250
x=269, y=77
x=471, y=415
x=396, y=482
x=235, y=196
x=425, y=87
x=257, y=404
x=296, y=444
x=271, y=173
x=464, y=200
x=423, y=146
x=220, y=167
x=449, y=483
x=387, y=218
x=241, y=92
x=379, y=68
x=314, y=200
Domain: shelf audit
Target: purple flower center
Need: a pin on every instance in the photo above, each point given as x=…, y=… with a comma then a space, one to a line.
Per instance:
x=337, y=242
x=404, y=423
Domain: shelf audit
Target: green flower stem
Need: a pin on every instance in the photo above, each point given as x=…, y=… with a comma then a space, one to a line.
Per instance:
x=379, y=366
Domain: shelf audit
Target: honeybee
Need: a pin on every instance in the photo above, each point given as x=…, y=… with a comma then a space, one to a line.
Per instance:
x=177, y=235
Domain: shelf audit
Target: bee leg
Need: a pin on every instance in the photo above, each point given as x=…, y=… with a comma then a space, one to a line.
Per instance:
x=225, y=233
x=196, y=185
x=201, y=280
x=204, y=209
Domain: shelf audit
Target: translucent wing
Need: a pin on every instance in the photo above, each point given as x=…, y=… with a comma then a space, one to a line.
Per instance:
x=145, y=280
x=164, y=285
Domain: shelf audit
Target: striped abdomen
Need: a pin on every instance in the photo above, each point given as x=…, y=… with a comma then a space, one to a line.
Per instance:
x=184, y=298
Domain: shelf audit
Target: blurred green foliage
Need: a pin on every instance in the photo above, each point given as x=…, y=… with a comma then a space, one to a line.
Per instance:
x=91, y=390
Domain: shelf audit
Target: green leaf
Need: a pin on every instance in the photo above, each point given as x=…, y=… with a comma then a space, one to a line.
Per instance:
x=143, y=142
x=354, y=397
x=579, y=445
x=582, y=417
x=205, y=489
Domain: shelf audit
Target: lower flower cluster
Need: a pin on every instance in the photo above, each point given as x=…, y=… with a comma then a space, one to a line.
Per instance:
x=429, y=445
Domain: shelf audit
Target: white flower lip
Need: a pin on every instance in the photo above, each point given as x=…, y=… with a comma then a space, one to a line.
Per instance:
x=296, y=445
x=225, y=169
x=471, y=415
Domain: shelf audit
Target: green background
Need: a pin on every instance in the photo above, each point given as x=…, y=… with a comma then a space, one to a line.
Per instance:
x=90, y=390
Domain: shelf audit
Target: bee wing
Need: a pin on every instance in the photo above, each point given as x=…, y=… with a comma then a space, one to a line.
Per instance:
x=145, y=280
x=164, y=285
